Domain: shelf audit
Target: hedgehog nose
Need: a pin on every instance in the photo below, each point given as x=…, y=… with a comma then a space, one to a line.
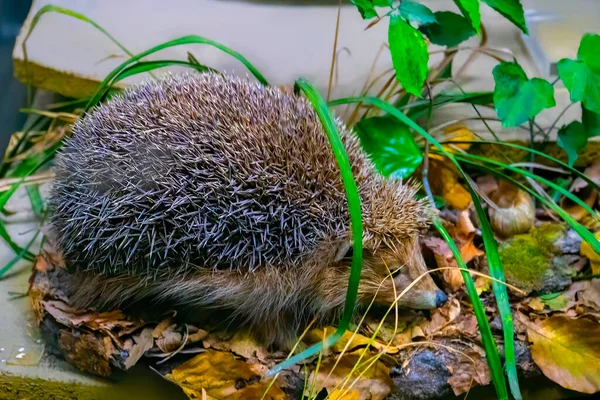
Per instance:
x=440, y=298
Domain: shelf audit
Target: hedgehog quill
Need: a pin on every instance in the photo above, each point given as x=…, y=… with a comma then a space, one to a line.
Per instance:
x=216, y=196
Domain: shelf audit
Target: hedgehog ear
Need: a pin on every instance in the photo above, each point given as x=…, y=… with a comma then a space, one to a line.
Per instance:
x=344, y=250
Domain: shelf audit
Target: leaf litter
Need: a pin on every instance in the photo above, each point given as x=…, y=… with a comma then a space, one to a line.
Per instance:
x=558, y=328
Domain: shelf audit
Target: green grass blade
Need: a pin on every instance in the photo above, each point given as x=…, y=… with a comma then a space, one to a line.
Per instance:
x=190, y=39
x=16, y=248
x=536, y=152
x=22, y=253
x=493, y=358
x=35, y=197
x=355, y=221
x=52, y=8
x=7, y=194
x=538, y=178
x=584, y=233
x=145, y=66
x=493, y=258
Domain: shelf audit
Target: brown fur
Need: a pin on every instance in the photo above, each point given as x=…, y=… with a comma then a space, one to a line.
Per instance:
x=214, y=195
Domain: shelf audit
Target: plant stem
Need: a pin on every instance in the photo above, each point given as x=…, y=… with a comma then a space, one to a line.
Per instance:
x=425, y=176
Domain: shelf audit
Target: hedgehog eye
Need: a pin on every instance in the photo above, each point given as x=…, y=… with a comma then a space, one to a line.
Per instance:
x=396, y=272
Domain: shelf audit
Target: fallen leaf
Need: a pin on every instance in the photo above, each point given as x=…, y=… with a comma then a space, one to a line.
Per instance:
x=221, y=375
x=590, y=297
x=170, y=340
x=587, y=251
x=535, y=303
x=567, y=351
x=106, y=321
x=445, y=259
x=581, y=189
x=443, y=180
x=161, y=327
x=243, y=344
x=143, y=342
x=470, y=368
x=370, y=380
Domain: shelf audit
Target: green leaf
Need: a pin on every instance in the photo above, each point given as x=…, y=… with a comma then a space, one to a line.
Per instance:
x=450, y=30
x=390, y=145
x=383, y=3
x=573, y=138
x=589, y=51
x=582, y=76
x=591, y=121
x=409, y=54
x=416, y=13
x=518, y=99
x=511, y=10
x=365, y=8
x=470, y=9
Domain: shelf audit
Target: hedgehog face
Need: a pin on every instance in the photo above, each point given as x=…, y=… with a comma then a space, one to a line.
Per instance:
x=388, y=272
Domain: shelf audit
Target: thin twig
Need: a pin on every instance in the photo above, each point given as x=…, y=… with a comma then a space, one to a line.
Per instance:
x=333, y=55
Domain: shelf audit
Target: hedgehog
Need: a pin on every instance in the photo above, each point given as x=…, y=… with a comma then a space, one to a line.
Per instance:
x=214, y=195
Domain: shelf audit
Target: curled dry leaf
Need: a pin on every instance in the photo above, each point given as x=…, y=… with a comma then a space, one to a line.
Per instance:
x=443, y=179
x=581, y=189
x=223, y=376
x=514, y=211
x=567, y=351
x=370, y=380
x=141, y=344
x=587, y=251
x=463, y=233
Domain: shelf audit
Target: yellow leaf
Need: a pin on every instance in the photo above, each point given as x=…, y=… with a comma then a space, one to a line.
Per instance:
x=567, y=351
x=587, y=251
x=223, y=376
x=443, y=180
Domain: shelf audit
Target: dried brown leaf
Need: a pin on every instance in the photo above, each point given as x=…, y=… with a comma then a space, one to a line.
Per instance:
x=221, y=375
x=142, y=343
x=470, y=368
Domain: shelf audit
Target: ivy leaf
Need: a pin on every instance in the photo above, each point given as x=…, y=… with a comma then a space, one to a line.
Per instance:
x=450, y=29
x=582, y=76
x=470, y=9
x=518, y=99
x=383, y=3
x=511, y=10
x=573, y=138
x=390, y=145
x=409, y=54
x=591, y=121
x=365, y=8
x=416, y=13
